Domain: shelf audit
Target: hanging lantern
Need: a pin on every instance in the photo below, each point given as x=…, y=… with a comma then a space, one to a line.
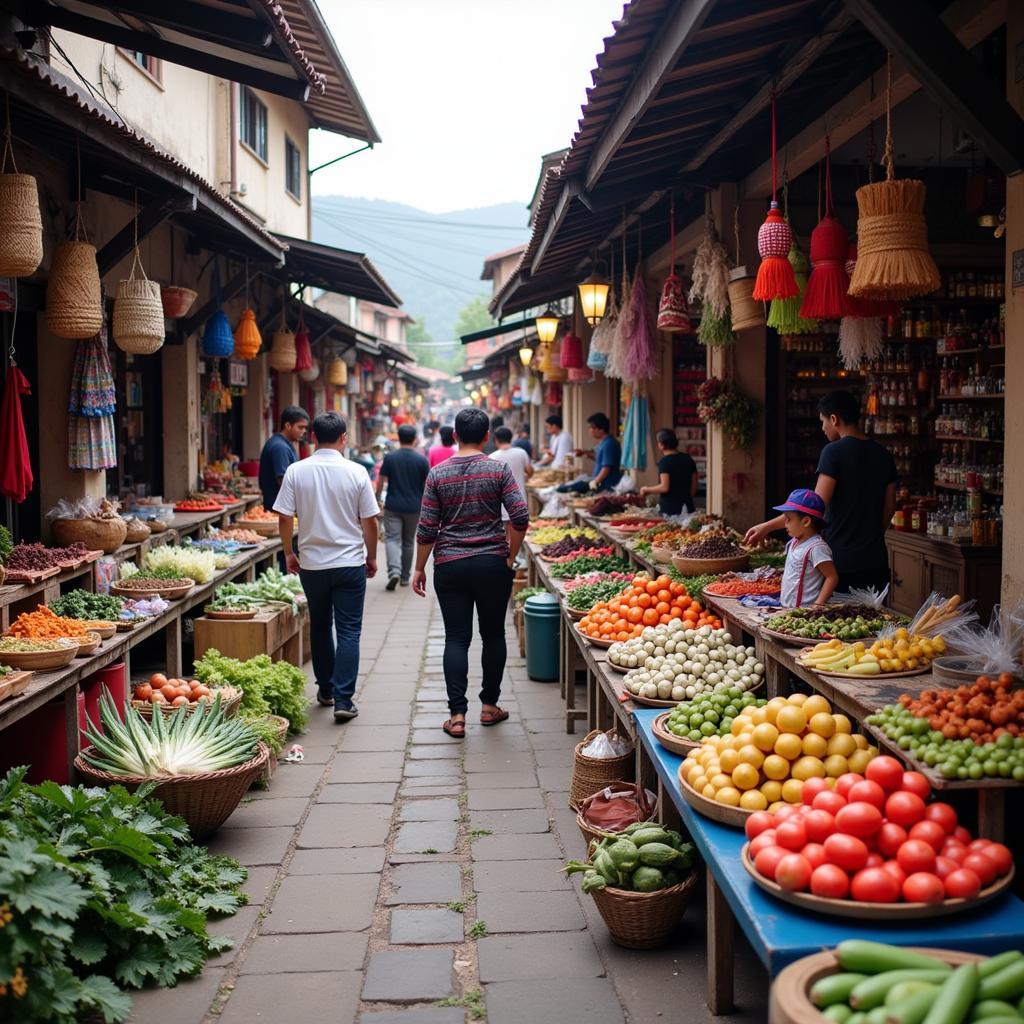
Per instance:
x=337, y=373
x=553, y=394
x=775, y=279
x=354, y=384
x=673, y=310
x=525, y=355
x=571, y=356
x=747, y=312
x=138, y=320
x=247, y=336
x=593, y=298
x=218, y=341
x=303, y=350
x=826, y=297
x=554, y=372
x=547, y=325
x=784, y=314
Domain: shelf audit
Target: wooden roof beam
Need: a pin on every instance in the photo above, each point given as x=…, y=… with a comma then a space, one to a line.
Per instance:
x=572, y=188
x=149, y=218
x=937, y=59
x=970, y=21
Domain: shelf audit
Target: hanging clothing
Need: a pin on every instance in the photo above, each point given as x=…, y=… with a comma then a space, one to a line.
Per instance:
x=15, y=466
x=92, y=401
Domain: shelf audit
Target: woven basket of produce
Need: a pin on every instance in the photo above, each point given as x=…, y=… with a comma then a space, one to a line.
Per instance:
x=138, y=531
x=204, y=801
x=74, y=303
x=230, y=697
x=21, y=228
x=590, y=774
x=96, y=534
x=644, y=920
x=636, y=803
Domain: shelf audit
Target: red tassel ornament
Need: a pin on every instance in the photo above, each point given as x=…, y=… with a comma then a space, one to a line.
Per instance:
x=571, y=357
x=775, y=277
x=826, y=297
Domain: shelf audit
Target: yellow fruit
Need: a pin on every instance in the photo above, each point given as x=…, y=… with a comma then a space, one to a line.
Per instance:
x=860, y=741
x=808, y=768
x=788, y=745
x=743, y=739
x=751, y=755
x=772, y=708
x=792, y=791
x=816, y=705
x=764, y=736
x=745, y=776
x=753, y=800
x=796, y=699
x=737, y=725
x=792, y=719
x=902, y=634
x=728, y=760
x=729, y=796
x=858, y=760
x=772, y=790
x=939, y=645
x=775, y=767
x=835, y=765
x=822, y=723
x=778, y=804
x=708, y=791
x=842, y=743
x=698, y=782
x=721, y=780
x=814, y=745
x=916, y=650
x=758, y=716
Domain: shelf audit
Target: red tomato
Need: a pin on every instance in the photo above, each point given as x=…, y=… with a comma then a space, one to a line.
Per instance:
x=791, y=834
x=874, y=885
x=844, y=782
x=944, y=867
x=829, y=801
x=812, y=787
x=931, y=832
x=875, y=860
x=1000, y=855
x=830, y=882
x=896, y=871
x=859, y=819
x=916, y=855
x=786, y=811
x=886, y=771
x=846, y=852
x=954, y=851
x=793, y=872
x=819, y=825
x=814, y=853
x=757, y=823
x=915, y=782
x=924, y=887
x=943, y=815
x=904, y=809
x=983, y=866
x=977, y=845
x=867, y=792
x=962, y=835
x=962, y=884
x=889, y=838
x=768, y=860
x=758, y=843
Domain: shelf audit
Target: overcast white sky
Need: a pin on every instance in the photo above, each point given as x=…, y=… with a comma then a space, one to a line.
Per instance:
x=466, y=94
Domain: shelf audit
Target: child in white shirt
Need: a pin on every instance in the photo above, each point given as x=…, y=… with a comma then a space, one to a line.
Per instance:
x=810, y=577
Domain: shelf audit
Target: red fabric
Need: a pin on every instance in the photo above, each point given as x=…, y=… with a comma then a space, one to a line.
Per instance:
x=16, y=469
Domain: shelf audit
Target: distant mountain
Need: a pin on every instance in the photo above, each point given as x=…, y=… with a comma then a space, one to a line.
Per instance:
x=432, y=260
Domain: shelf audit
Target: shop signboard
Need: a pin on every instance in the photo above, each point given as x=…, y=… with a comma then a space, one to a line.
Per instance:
x=238, y=374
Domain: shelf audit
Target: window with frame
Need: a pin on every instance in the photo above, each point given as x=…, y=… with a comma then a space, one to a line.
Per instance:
x=252, y=122
x=292, y=168
x=150, y=64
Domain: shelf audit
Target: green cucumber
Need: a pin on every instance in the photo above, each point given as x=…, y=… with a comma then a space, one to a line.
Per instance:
x=955, y=997
x=904, y=989
x=872, y=992
x=651, y=835
x=1005, y=984
x=857, y=1018
x=877, y=1015
x=838, y=1012
x=877, y=957
x=993, y=1008
x=834, y=988
x=658, y=855
x=994, y=964
x=647, y=879
x=913, y=1009
x=637, y=826
x=604, y=866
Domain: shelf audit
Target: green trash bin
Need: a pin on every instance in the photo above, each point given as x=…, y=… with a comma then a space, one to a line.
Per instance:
x=542, y=615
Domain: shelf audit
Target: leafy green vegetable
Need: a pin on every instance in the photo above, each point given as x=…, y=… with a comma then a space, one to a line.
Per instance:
x=6, y=544
x=273, y=586
x=83, y=604
x=265, y=730
x=588, y=563
x=694, y=584
x=528, y=592
x=589, y=594
x=268, y=687
x=102, y=891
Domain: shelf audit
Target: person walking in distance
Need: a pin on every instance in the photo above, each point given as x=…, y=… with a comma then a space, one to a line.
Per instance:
x=405, y=472
x=337, y=511
x=516, y=459
x=445, y=448
x=460, y=523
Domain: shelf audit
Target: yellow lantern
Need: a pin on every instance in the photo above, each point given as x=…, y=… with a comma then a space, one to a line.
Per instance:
x=593, y=298
x=525, y=355
x=547, y=325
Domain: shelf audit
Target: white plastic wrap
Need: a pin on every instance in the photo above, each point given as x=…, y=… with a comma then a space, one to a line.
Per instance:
x=997, y=648
x=869, y=596
x=604, y=746
x=941, y=615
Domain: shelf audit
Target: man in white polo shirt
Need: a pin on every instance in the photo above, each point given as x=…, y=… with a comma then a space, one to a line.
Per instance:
x=560, y=446
x=337, y=511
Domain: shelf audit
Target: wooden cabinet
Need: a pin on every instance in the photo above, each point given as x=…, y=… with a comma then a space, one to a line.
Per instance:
x=919, y=565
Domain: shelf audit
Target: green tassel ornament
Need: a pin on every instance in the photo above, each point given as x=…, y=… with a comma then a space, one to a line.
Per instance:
x=784, y=314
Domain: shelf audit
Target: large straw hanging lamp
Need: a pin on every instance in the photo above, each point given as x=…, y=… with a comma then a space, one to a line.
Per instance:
x=893, y=261
x=337, y=372
x=282, y=351
x=21, y=226
x=775, y=279
x=247, y=333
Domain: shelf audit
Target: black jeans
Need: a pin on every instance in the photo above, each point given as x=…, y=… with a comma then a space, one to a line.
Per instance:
x=335, y=594
x=483, y=581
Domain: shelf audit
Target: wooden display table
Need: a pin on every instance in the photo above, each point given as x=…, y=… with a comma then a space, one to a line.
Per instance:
x=274, y=631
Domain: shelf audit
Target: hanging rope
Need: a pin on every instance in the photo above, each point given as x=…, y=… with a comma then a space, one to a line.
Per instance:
x=872, y=148
x=672, y=232
x=774, y=143
x=887, y=154
x=736, y=231
x=80, y=232
x=8, y=148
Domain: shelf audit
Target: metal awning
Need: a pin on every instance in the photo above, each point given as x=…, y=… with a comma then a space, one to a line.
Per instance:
x=492, y=332
x=336, y=270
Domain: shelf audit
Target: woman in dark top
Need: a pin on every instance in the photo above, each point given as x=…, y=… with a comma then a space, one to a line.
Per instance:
x=677, y=476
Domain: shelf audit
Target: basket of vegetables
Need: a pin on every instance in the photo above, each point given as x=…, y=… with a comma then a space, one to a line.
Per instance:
x=170, y=694
x=202, y=764
x=641, y=882
x=607, y=813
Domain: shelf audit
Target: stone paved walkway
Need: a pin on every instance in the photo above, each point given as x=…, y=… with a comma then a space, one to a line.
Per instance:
x=398, y=876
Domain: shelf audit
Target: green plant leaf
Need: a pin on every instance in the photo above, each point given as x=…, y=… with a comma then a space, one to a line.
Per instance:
x=106, y=998
x=51, y=891
x=88, y=948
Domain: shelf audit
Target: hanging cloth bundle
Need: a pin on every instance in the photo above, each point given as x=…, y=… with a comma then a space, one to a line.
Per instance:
x=303, y=349
x=673, y=310
x=21, y=226
x=91, y=405
x=826, y=297
x=894, y=261
x=775, y=278
x=710, y=285
x=635, y=432
x=15, y=465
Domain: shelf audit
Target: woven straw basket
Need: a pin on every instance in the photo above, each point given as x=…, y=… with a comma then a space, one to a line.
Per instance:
x=95, y=534
x=21, y=228
x=644, y=920
x=337, y=373
x=138, y=325
x=74, y=303
x=589, y=774
x=591, y=833
x=204, y=801
x=282, y=353
x=746, y=310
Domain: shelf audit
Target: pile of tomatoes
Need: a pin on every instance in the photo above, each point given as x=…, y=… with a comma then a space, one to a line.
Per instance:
x=645, y=602
x=176, y=692
x=873, y=839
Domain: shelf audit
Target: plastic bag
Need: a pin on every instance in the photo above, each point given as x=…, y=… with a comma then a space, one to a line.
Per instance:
x=869, y=596
x=106, y=573
x=555, y=506
x=606, y=745
x=941, y=615
x=84, y=508
x=995, y=649
x=612, y=810
x=626, y=484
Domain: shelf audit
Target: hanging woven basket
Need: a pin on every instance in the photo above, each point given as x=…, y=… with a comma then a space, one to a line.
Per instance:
x=218, y=341
x=673, y=309
x=747, y=312
x=354, y=384
x=177, y=301
x=74, y=303
x=138, y=322
x=282, y=351
x=337, y=373
x=247, y=336
x=21, y=227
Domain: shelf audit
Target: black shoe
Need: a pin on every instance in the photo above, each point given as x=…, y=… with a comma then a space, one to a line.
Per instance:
x=324, y=700
x=404, y=583
x=392, y=583
x=345, y=714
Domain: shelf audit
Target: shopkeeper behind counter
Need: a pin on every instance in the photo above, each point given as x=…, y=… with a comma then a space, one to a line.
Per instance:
x=607, y=458
x=857, y=480
x=677, y=476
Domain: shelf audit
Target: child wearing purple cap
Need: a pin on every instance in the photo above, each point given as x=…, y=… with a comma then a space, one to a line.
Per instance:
x=810, y=577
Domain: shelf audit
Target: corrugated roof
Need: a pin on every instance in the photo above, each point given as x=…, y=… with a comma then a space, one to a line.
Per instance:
x=337, y=270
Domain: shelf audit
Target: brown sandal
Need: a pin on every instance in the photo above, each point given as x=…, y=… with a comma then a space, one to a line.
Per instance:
x=457, y=730
x=493, y=717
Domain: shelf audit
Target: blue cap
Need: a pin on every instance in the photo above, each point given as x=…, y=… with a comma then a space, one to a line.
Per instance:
x=804, y=501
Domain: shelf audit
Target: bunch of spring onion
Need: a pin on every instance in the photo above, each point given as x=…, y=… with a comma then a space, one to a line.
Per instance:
x=181, y=744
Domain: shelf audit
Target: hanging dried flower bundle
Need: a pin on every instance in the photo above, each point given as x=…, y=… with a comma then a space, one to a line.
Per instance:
x=620, y=337
x=710, y=287
x=643, y=358
x=860, y=335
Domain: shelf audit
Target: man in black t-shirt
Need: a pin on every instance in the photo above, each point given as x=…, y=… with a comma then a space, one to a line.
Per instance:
x=677, y=476
x=857, y=480
x=405, y=471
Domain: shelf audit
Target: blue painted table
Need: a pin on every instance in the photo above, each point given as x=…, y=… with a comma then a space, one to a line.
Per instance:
x=780, y=933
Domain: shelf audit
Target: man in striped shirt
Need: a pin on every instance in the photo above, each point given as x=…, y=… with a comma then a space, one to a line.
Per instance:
x=460, y=522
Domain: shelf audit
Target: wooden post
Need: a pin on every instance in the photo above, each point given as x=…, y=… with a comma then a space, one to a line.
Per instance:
x=720, y=949
x=181, y=417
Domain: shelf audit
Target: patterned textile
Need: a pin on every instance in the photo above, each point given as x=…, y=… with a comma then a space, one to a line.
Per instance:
x=92, y=382
x=91, y=442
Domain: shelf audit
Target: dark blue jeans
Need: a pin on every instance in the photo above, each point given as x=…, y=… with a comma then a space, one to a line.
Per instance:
x=335, y=594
